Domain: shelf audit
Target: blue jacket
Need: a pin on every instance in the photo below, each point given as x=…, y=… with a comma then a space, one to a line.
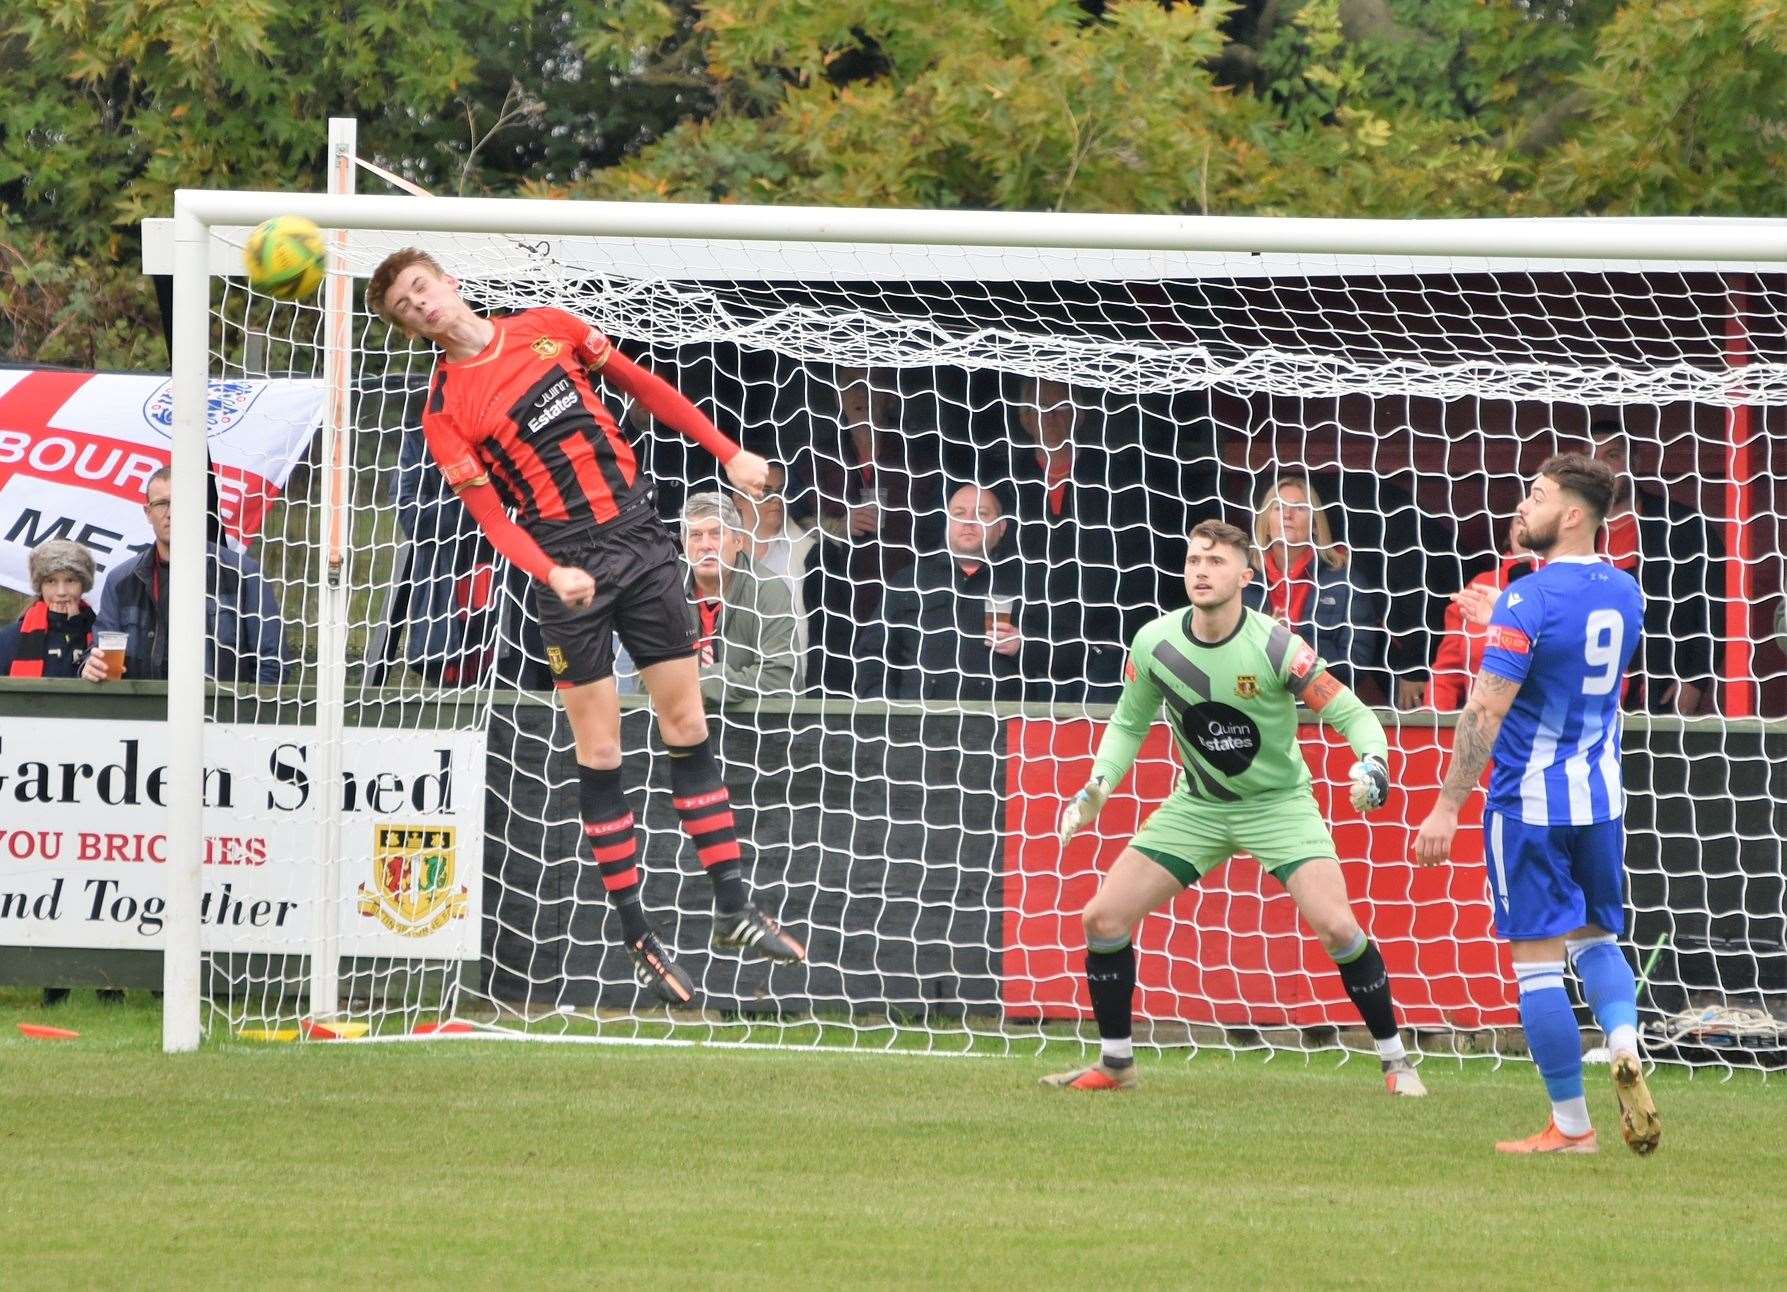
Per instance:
x=1344, y=620
x=245, y=640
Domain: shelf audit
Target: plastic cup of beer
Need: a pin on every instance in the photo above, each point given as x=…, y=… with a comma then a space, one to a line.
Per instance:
x=999, y=611
x=111, y=650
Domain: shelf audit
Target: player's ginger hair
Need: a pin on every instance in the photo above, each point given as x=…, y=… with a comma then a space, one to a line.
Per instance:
x=386, y=274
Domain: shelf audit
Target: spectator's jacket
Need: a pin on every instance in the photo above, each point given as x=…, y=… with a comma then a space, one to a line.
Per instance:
x=1407, y=555
x=244, y=637
x=1460, y=655
x=1343, y=620
x=754, y=651
x=787, y=559
x=931, y=641
x=1092, y=580
x=1678, y=553
x=56, y=649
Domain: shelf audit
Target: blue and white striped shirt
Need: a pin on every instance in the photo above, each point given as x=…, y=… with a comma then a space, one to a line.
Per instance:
x=1567, y=634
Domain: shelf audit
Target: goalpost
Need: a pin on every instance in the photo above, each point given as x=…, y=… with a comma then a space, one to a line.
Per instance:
x=411, y=775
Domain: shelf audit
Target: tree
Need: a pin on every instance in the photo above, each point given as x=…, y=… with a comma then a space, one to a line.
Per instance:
x=1322, y=107
x=111, y=106
x=1685, y=113
x=1023, y=105
x=1309, y=107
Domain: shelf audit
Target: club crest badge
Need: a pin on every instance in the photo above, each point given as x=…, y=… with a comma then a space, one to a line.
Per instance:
x=412, y=892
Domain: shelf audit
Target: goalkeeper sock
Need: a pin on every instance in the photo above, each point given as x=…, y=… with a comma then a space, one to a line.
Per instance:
x=706, y=810
x=1367, y=982
x=1110, y=980
x=1555, y=1043
x=608, y=825
x=1609, y=987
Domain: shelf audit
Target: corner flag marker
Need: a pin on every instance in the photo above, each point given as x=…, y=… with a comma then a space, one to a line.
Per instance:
x=451, y=1027
x=315, y=1031
x=38, y=1032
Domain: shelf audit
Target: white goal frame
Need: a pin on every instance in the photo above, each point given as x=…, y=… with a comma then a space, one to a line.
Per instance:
x=1585, y=243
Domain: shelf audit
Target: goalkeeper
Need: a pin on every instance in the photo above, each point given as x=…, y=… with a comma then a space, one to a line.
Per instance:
x=1228, y=679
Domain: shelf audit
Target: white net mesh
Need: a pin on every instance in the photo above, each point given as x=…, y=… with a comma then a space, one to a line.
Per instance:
x=897, y=799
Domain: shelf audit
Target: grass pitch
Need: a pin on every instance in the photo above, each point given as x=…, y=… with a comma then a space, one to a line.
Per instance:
x=481, y=1164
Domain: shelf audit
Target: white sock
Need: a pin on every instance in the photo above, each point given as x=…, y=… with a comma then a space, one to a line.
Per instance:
x=1571, y=1115
x=1120, y=1049
x=1623, y=1040
x=1390, y=1049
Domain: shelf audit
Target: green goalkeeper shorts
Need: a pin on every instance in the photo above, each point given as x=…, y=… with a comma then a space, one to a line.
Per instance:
x=1190, y=838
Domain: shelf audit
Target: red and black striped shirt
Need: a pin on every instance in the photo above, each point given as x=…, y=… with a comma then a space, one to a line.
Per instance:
x=523, y=414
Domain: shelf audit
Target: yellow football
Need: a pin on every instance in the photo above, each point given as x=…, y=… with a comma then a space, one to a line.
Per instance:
x=286, y=258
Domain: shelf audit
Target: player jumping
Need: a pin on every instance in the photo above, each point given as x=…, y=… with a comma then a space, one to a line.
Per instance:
x=1546, y=703
x=513, y=422
x=1229, y=679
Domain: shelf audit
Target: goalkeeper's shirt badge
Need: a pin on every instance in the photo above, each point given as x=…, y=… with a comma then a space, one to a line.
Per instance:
x=1247, y=686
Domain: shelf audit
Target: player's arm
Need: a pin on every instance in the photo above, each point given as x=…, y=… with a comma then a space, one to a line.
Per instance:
x=1117, y=748
x=747, y=471
x=1310, y=681
x=1512, y=632
x=1475, y=735
x=1334, y=702
x=465, y=475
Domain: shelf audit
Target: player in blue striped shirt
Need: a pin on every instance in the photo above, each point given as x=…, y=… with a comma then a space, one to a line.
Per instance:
x=1547, y=704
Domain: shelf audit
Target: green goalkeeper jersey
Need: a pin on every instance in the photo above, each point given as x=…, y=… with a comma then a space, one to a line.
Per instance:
x=1232, y=707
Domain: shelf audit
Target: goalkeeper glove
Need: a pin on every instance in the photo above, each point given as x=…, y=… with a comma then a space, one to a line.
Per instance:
x=1083, y=808
x=1370, y=783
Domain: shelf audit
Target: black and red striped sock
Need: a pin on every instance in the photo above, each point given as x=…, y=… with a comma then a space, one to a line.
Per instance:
x=608, y=825
x=706, y=810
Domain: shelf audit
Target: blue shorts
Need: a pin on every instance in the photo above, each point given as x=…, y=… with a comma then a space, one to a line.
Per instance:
x=1548, y=880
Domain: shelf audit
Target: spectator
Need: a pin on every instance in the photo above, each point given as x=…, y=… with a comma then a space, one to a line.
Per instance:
x=53, y=636
x=1460, y=655
x=779, y=546
x=954, y=626
x=1180, y=452
x=1410, y=556
x=1672, y=551
x=1096, y=584
x=747, y=619
x=878, y=495
x=445, y=598
x=1309, y=584
x=244, y=638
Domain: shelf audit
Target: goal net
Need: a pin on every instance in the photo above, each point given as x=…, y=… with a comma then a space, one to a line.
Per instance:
x=991, y=435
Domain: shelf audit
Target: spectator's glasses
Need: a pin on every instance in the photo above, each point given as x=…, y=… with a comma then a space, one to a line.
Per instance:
x=160, y=504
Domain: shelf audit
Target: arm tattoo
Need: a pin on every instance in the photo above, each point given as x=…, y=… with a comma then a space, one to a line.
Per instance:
x=1474, y=738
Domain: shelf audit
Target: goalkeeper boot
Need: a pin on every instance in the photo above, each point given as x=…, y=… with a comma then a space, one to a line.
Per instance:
x=656, y=971
x=1400, y=1078
x=1638, y=1120
x=1550, y=1140
x=1094, y=1077
x=752, y=930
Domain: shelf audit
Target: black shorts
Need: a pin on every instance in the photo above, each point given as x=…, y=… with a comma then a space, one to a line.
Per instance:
x=639, y=594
